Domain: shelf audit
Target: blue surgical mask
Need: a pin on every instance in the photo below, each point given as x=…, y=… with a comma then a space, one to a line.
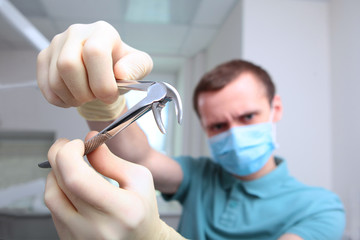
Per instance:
x=244, y=150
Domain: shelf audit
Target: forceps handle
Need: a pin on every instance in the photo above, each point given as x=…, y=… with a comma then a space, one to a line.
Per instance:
x=90, y=145
x=113, y=129
x=109, y=132
x=119, y=124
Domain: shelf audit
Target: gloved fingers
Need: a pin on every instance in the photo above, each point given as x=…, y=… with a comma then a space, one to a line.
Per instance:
x=87, y=190
x=63, y=212
x=51, y=82
x=100, y=52
x=58, y=86
x=58, y=144
x=65, y=180
x=78, y=66
x=130, y=176
x=94, y=208
x=70, y=65
x=93, y=222
x=62, y=178
x=135, y=65
x=56, y=200
x=43, y=76
x=75, y=78
x=67, y=220
x=71, y=171
x=136, y=189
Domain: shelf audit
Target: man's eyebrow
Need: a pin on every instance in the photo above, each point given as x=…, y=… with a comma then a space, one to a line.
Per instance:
x=244, y=114
x=212, y=124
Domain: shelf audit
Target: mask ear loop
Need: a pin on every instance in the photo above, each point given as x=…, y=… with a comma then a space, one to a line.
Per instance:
x=273, y=127
x=272, y=113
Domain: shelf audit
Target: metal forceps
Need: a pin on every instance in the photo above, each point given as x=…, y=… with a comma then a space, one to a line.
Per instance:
x=158, y=94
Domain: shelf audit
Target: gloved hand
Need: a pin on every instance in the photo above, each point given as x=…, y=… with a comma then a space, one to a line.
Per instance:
x=86, y=206
x=81, y=65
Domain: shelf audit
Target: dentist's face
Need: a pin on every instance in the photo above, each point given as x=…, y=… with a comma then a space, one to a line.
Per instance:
x=241, y=102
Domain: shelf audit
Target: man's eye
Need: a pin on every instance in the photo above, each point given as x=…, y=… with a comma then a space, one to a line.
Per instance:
x=218, y=127
x=247, y=118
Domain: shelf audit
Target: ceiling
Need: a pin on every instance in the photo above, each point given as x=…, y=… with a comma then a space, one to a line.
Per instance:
x=168, y=30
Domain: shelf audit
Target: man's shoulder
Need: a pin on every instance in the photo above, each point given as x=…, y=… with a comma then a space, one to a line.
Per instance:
x=314, y=195
x=199, y=167
x=319, y=212
x=200, y=162
x=289, y=185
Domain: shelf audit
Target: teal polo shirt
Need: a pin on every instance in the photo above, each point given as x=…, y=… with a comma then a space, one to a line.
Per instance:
x=218, y=206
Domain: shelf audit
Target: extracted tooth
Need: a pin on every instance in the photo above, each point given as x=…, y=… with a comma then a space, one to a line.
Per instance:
x=156, y=109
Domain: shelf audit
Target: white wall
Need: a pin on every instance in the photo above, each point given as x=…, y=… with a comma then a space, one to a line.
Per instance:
x=291, y=40
x=227, y=43
x=346, y=98
x=193, y=141
x=225, y=46
x=345, y=35
x=25, y=108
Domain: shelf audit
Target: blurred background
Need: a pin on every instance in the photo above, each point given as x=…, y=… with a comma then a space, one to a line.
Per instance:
x=309, y=47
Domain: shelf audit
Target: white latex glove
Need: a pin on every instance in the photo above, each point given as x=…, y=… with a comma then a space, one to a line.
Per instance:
x=82, y=63
x=86, y=206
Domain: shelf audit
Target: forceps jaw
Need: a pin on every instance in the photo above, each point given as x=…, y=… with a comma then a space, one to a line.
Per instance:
x=156, y=109
x=174, y=96
x=167, y=93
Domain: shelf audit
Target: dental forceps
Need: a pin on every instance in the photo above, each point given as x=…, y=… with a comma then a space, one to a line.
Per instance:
x=158, y=94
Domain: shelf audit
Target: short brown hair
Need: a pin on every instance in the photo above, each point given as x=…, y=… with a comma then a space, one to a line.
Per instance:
x=225, y=73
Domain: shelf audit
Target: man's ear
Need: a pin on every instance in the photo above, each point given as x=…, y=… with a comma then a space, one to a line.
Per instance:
x=277, y=108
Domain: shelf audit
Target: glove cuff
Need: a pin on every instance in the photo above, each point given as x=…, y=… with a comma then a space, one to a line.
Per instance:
x=166, y=233
x=99, y=111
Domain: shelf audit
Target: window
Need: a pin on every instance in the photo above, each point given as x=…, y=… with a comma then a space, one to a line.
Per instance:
x=20, y=152
x=21, y=181
x=147, y=122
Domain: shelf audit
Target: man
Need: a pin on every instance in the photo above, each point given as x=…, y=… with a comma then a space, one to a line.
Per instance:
x=242, y=192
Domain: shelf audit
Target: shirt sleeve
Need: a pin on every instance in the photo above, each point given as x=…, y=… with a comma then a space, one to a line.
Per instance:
x=326, y=221
x=186, y=164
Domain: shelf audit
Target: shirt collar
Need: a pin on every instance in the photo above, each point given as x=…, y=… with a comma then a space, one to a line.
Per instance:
x=263, y=187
